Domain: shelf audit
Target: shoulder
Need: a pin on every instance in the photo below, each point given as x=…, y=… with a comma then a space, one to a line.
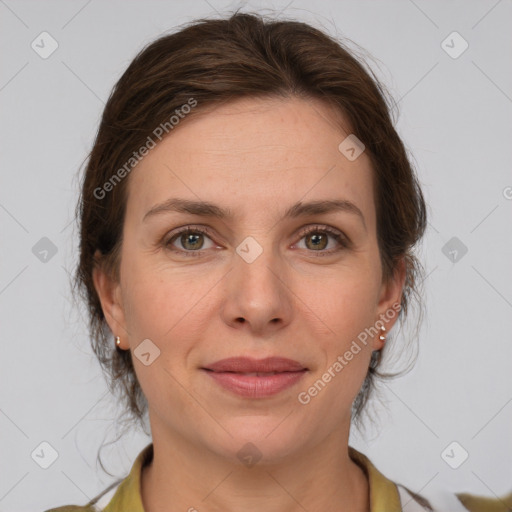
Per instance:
x=475, y=503
x=71, y=508
x=412, y=502
x=438, y=501
x=386, y=494
x=121, y=495
x=98, y=504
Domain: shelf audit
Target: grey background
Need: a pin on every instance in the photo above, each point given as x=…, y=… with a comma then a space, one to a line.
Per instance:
x=455, y=118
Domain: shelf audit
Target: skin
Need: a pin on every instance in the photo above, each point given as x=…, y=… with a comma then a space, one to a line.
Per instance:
x=256, y=157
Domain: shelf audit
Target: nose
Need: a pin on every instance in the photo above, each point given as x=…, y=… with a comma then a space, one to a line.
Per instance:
x=258, y=297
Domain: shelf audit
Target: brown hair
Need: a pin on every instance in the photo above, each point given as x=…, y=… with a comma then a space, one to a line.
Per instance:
x=214, y=61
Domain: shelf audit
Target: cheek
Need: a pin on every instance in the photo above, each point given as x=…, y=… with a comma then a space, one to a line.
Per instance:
x=343, y=312
x=163, y=303
x=344, y=303
x=343, y=309
x=149, y=299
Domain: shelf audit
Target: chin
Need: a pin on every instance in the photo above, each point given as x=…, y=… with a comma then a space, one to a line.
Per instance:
x=265, y=439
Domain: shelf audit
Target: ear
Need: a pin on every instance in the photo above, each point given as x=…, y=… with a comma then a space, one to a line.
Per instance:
x=391, y=296
x=109, y=293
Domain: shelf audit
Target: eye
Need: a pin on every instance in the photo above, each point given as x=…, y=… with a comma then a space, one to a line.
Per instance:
x=190, y=239
x=317, y=239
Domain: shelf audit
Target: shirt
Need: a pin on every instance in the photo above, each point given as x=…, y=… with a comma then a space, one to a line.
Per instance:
x=486, y=504
x=385, y=495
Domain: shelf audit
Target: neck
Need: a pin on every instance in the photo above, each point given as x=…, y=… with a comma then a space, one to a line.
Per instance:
x=183, y=476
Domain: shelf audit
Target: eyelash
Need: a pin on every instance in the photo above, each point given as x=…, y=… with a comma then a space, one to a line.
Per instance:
x=339, y=237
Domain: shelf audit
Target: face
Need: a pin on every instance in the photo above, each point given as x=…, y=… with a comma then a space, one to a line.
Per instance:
x=268, y=278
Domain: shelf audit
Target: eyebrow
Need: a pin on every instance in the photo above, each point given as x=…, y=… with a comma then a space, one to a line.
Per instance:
x=299, y=209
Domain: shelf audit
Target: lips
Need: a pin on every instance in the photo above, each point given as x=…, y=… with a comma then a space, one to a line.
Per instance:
x=247, y=365
x=255, y=378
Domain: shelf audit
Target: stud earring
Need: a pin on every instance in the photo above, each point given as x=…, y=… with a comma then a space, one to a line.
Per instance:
x=382, y=337
x=118, y=342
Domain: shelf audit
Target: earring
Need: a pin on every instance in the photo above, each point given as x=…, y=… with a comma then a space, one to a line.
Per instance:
x=118, y=342
x=382, y=337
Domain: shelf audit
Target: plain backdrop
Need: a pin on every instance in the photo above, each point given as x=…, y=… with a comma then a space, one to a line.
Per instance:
x=455, y=116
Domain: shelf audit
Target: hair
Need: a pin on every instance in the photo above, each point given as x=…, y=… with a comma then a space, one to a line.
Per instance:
x=211, y=62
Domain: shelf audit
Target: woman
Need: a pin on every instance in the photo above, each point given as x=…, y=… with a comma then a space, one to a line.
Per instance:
x=248, y=215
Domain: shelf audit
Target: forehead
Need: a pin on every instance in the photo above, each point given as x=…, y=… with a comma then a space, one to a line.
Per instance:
x=254, y=152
